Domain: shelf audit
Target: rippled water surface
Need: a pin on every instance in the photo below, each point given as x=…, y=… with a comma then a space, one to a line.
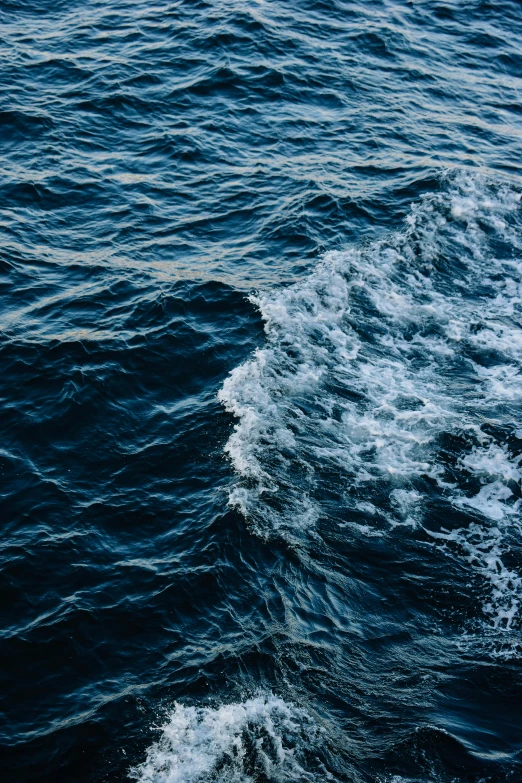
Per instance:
x=261, y=381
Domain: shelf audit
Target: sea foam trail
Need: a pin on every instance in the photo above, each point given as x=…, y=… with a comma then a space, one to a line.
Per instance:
x=390, y=375
x=233, y=743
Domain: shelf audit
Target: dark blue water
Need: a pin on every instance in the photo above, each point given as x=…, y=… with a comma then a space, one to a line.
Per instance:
x=260, y=391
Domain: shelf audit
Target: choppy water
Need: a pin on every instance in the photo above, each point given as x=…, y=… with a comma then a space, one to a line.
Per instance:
x=261, y=382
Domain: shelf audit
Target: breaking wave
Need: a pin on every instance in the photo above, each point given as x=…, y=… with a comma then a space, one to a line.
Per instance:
x=259, y=739
x=388, y=391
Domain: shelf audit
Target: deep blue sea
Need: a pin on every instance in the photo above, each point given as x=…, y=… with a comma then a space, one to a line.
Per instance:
x=261, y=391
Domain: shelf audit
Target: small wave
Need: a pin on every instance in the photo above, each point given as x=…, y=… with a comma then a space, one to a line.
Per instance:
x=260, y=738
x=381, y=380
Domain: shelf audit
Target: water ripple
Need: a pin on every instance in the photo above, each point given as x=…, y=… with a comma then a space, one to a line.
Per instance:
x=173, y=173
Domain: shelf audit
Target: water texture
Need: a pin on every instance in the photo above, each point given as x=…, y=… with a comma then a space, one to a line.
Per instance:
x=260, y=391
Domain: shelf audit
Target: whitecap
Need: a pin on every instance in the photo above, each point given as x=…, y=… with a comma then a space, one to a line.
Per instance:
x=377, y=358
x=234, y=743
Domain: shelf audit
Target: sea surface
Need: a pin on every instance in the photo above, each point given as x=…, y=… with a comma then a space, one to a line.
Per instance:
x=261, y=391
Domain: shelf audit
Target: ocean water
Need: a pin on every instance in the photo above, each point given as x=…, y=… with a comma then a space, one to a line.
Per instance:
x=260, y=391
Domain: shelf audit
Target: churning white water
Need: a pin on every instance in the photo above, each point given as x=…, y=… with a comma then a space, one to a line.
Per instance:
x=374, y=360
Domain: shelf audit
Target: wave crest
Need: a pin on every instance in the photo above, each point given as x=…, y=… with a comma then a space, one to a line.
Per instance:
x=261, y=738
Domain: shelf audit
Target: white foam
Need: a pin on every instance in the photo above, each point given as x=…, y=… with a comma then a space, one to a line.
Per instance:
x=484, y=543
x=374, y=357
x=233, y=743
